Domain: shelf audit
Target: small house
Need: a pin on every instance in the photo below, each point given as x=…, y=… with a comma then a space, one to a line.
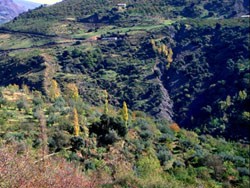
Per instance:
x=109, y=38
x=245, y=16
x=122, y=5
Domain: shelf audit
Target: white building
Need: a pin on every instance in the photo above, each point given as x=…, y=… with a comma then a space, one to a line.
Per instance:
x=122, y=5
x=245, y=16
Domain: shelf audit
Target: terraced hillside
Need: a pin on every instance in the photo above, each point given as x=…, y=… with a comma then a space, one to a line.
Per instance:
x=159, y=62
x=44, y=19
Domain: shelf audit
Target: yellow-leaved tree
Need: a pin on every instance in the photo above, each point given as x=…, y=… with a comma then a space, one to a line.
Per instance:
x=72, y=91
x=125, y=113
x=165, y=50
x=152, y=42
x=170, y=55
x=54, y=90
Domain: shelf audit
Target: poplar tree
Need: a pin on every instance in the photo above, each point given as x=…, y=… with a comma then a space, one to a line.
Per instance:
x=159, y=50
x=170, y=56
x=125, y=113
x=163, y=48
x=43, y=131
x=72, y=91
x=76, y=122
x=152, y=42
x=54, y=90
x=106, y=102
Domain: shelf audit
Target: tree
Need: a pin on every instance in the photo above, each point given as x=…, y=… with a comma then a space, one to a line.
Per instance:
x=54, y=90
x=108, y=129
x=170, y=56
x=76, y=122
x=159, y=50
x=86, y=131
x=125, y=113
x=148, y=166
x=242, y=95
x=2, y=99
x=152, y=42
x=225, y=104
x=164, y=50
x=23, y=104
x=174, y=127
x=72, y=91
x=37, y=98
x=43, y=131
x=25, y=89
x=106, y=102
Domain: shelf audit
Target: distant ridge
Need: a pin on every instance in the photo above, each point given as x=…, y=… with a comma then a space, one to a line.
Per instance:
x=9, y=10
x=27, y=4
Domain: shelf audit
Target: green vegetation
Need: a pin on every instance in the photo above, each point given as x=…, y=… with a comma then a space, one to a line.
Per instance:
x=67, y=14
x=133, y=68
x=12, y=41
x=213, y=71
x=130, y=74
x=143, y=152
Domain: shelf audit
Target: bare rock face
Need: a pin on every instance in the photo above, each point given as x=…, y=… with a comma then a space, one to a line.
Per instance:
x=9, y=10
x=166, y=106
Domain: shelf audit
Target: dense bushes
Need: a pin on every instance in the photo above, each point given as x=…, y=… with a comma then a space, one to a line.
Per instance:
x=108, y=130
x=211, y=77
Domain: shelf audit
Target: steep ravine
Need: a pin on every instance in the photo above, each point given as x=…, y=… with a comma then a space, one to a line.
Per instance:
x=208, y=77
x=166, y=105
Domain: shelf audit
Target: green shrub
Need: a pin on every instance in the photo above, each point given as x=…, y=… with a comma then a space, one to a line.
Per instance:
x=77, y=143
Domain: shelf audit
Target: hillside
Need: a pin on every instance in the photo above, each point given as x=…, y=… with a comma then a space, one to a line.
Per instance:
x=209, y=75
x=133, y=71
x=44, y=19
x=110, y=147
x=138, y=95
x=9, y=10
x=151, y=63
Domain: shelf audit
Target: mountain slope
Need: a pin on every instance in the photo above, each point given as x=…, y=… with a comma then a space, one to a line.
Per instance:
x=119, y=92
x=180, y=69
x=209, y=75
x=43, y=19
x=106, y=150
x=27, y=4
